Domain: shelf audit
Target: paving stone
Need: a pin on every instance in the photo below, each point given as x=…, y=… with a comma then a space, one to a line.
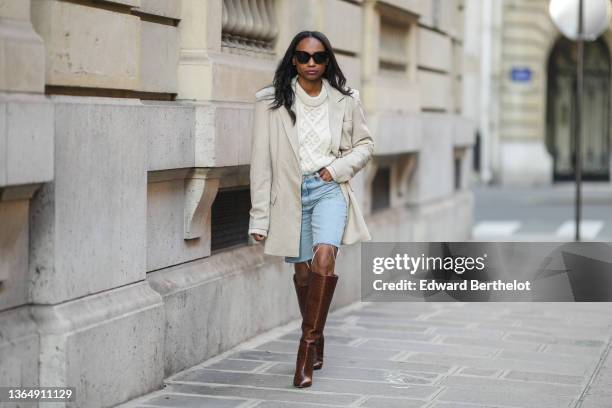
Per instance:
x=426, y=347
x=576, y=360
x=481, y=372
x=516, y=386
x=504, y=397
x=400, y=376
x=380, y=402
x=506, y=364
x=555, y=340
x=356, y=362
x=573, y=350
x=192, y=401
x=236, y=365
x=402, y=321
x=386, y=313
x=416, y=327
x=203, y=375
x=470, y=333
x=329, y=337
x=458, y=405
x=492, y=343
x=544, y=377
x=292, y=395
x=334, y=349
x=282, y=404
x=341, y=335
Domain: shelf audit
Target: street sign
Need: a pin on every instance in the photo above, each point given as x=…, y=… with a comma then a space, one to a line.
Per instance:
x=520, y=74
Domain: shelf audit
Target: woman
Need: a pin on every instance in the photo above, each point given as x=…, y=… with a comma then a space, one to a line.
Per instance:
x=310, y=138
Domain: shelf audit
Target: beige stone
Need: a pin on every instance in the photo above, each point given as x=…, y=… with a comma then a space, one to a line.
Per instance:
x=15, y=9
x=158, y=57
x=342, y=23
x=21, y=57
x=165, y=8
x=88, y=47
x=435, y=50
x=435, y=90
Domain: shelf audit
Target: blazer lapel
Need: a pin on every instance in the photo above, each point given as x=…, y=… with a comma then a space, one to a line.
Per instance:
x=336, y=105
x=290, y=131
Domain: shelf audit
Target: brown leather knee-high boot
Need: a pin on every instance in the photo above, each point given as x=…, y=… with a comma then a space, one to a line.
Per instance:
x=320, y=292
x=302, y=292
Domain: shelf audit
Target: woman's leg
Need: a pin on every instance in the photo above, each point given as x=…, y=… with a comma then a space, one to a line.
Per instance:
x=328, y=222
x=302, y=270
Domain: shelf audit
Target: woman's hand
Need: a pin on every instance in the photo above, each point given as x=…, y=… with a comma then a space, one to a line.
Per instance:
x=325, y=174
x=258, y=237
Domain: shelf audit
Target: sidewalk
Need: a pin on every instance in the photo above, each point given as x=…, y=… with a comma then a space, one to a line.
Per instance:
x=429, y=355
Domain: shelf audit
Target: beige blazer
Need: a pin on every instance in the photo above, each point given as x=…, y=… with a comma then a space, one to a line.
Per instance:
x=276, y=177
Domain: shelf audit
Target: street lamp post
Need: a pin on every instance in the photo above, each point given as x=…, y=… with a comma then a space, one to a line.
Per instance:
x=580, y=23
x=578, y=131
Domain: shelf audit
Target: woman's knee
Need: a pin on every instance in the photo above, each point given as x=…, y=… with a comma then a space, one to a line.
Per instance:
x=324, y=258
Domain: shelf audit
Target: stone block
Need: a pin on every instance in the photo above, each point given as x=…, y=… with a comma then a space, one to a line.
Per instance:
x=164, y=8
x=108, y=345
x=433, y=178
x=22, y=53
x=435, y=90
x=342, y=24
x=87, y=46
x=159, y=53
x=170, y=131
x=392, y=93
x=89, y=225
x=19, y=348
x=396, y=133
x=27, y=148
x=15, y=9
x=435, y=50
x=351, y=68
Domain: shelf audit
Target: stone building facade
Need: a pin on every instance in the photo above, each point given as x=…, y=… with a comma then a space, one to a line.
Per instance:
x=125, y=132
x=529, y=79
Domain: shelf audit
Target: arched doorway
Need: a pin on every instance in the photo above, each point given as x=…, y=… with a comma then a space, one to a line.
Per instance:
x=560, y=112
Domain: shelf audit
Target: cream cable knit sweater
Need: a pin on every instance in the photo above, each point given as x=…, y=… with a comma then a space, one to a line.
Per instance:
x=313, y=129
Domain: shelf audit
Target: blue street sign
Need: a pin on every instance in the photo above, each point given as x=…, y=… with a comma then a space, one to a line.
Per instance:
x=520, y=74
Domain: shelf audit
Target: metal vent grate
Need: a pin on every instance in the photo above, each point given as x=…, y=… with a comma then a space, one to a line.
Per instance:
x=230, y=218
x=381, y=189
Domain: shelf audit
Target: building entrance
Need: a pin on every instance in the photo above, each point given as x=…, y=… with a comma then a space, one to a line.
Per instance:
x=561, y=100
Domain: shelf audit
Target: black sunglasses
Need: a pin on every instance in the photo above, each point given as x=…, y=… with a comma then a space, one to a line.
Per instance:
x=320, y=57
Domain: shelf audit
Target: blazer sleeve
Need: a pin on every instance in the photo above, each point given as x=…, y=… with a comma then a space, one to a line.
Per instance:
x=260, y=170
x=344, y=168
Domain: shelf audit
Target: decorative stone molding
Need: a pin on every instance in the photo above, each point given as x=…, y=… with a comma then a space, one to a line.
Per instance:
x=249, y=26
x=200, y=193
x=20, y=192
x=405, y=169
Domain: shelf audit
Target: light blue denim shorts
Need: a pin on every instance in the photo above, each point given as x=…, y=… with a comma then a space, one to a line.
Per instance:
x=324, y=214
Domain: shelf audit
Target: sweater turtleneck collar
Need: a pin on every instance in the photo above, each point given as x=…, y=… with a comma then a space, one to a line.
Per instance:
x=307, y=99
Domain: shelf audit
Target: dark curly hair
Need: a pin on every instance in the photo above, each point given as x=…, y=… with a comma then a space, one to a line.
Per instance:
x=283, y=93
